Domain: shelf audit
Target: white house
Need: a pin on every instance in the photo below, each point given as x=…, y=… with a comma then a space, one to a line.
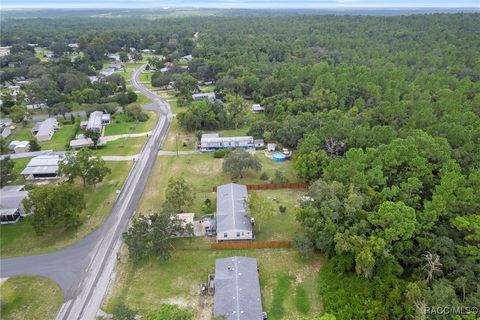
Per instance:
x=202, y=96
x=5, y=131
x=22, y=146
x=212, y=141
x=233, y=222
x=256, y=108
x=44, y=130
x=11, y=206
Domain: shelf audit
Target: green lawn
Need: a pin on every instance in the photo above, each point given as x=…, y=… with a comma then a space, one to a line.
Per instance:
x=121, y=124
x=20, y=239
x=196, y=167
x=32, y=298
x=60, y=139
x=122, y=147
x=21, y=132
x=143, y=287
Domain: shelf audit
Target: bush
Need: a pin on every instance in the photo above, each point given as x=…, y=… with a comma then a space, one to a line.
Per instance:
x=218, y=154
x=279, y=178
x=282, y=209
x=122, y=312
x=304, y=246
x=264, y=176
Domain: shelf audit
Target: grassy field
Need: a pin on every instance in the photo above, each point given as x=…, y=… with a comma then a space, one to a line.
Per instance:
x=31, y=298
x=21, y=132
x=122, y=147
x=20, y=239
x=60, y=139
x=120, y=124
x=143, y=287
x=195, y=167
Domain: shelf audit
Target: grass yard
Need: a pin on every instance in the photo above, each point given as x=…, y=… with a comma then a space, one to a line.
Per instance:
x=20, y=238
x=21, y=132
x=121, y=124
x=122, y=147
x=144, y=287
x=186, y=140
x=195, y=167
x=32, y=298
x=60, y=139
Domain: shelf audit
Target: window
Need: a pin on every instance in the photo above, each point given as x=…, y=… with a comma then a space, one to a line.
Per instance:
x=238, y=234
x=225, y=235
x=243, y=233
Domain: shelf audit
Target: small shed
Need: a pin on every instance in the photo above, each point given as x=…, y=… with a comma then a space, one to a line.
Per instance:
x=271, y=147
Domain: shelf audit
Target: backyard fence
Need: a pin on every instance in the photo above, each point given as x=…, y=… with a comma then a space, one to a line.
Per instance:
x=251, y=245
x=271, y=186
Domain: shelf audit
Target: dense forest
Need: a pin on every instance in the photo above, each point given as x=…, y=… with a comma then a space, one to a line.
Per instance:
x=383, y=114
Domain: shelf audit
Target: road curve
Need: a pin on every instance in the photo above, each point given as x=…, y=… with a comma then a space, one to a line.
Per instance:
x=84, y=269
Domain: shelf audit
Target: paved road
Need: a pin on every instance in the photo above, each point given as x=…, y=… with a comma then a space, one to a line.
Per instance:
x=84, y=269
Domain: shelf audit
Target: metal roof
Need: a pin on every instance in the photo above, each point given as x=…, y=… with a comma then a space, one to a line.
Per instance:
x=85, y=142
x=95, y=120
x=231, y=208
x=47, y=164
x=207, y=95
x=213, y=139
x=11, y=197
x=237, y=289
x=47, y=127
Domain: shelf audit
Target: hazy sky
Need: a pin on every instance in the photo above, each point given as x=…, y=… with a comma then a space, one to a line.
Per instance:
x=238, y=3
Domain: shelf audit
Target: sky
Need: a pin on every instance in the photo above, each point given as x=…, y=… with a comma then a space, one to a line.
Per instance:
x=254, y=4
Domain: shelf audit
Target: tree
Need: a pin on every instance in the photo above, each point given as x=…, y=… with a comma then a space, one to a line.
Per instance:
x=6, y=171
x=55, y=206
x=83, y=164
x=179, y=194
x=185, y=85
x=236, y=108
x=260, y=209
x=18, y=114
x=304, y=246
x=237, y=161
x=94, y=135
x=170, y=312
x=123, y=56
x=34, y=146
x=151, y=235
x=135, y=111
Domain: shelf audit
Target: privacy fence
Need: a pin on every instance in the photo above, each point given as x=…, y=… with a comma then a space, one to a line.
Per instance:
x=251, y=244
x=271, y=186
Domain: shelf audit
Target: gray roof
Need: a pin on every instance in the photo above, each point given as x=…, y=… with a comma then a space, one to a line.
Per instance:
x=11, y=197
x=206, y=95
x=47, y=127
x=95, y=120
x=84, y=142
x=237, y=289
x=231, y=208
x=6, y=121
x=47, y=164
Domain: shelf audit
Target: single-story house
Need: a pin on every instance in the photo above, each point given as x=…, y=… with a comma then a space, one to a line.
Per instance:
x=258, y=143
x=48, y=54
x=188, y=57
x=256, y=108
x=271, y=147
x=113, y=56
x=96, y=121
x=74, y=46
x=42, y=167
x=36, y=106
x=237, y=289
x=6, y=121
x=107, y=71
x=19, y=146
x=201, y=96
x=44, y=130
x=93, y=79
x=233, y=222
x=22, y=146
x=212, y=141
x=81, y=143
x=11, y=206
x=5, y=131
x=146, y=51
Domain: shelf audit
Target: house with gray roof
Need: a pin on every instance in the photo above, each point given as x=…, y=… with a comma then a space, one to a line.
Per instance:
x=96, y=121
x=42, y=168
x=204, y=96
x=232, y=218
x=44, y=130
x=212, y=141
x=11, y=206
x=5, y=131
x=237, y=289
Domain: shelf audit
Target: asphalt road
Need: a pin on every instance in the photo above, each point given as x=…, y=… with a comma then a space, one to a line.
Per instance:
x=84, y=270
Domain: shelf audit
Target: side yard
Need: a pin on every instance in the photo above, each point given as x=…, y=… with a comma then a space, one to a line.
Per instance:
x=27, y=297
x=121, y=124
x=20, y=238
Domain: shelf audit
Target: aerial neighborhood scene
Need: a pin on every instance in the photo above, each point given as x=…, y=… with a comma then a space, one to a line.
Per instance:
x=239, y=160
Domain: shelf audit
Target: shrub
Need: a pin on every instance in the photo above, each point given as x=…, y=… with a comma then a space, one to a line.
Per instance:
x=264, y=176
x=279, y=177
x=282, y=209
x=304, y=246
x=122, y=312
x=218, y=154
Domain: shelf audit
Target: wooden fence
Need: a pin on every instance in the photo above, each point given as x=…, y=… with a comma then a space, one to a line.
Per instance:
x=271, y=186
x=251, y=244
